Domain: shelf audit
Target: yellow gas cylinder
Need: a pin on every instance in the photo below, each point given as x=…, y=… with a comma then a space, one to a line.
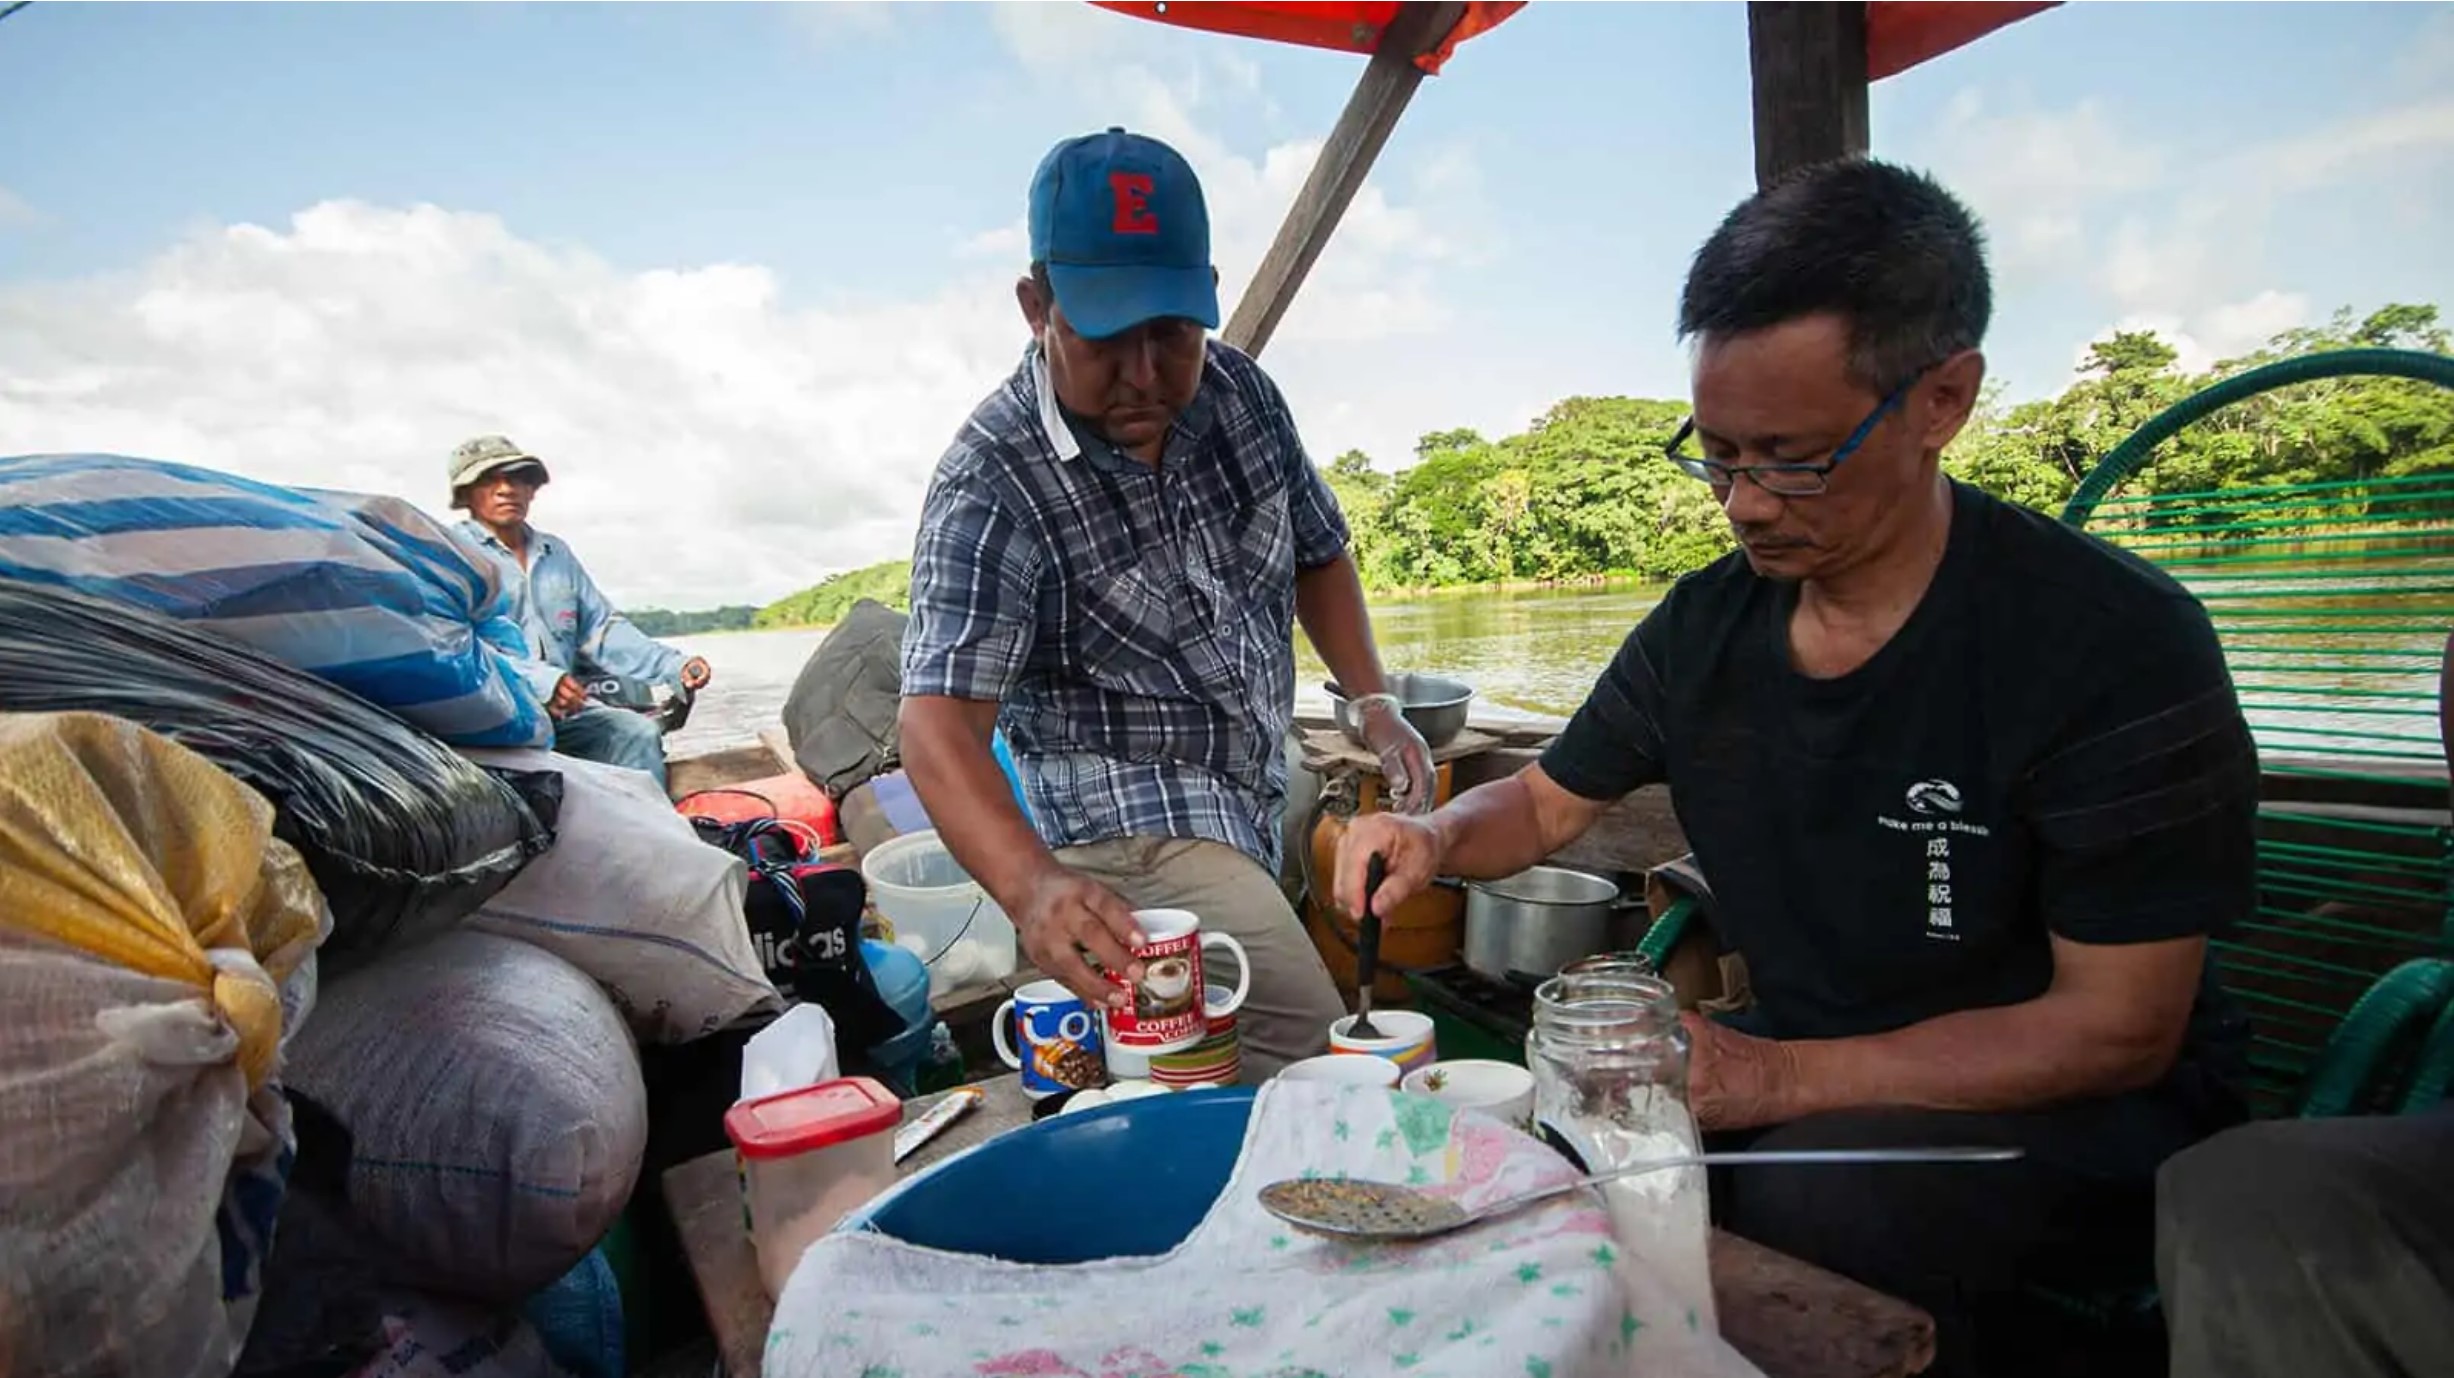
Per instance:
x=1425, y=931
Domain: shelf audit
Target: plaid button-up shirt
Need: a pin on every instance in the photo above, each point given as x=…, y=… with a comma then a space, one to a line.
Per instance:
x=1136, y=625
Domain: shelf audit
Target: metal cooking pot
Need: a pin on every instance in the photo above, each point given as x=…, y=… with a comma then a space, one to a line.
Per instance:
x=1524, y=928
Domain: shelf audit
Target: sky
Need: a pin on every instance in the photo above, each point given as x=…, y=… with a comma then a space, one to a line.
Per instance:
x=738, y=272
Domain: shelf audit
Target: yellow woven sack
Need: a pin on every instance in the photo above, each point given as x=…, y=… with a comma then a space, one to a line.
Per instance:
x=127, y=846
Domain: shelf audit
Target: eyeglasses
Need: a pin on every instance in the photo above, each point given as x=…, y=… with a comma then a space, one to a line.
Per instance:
x=1792, y=480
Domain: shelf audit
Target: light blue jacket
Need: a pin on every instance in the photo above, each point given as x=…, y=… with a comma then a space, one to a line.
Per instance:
x=571, y=625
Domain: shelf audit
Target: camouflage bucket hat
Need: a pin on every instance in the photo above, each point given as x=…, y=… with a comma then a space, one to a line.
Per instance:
x=474, y=459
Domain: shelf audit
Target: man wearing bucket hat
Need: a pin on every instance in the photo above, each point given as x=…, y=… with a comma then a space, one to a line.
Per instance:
x=1111, y=562
x=570, y=624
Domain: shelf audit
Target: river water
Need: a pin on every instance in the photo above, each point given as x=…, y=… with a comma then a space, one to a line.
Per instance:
x=1525, y=652
x=1537, y=652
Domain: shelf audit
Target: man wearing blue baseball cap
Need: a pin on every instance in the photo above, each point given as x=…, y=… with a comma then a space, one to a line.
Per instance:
x=1111, y=562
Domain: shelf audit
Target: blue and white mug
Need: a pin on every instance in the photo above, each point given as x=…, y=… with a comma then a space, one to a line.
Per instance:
x=1059, y=1036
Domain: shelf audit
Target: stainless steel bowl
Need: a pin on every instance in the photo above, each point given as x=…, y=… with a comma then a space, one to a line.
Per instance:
x=1435, y=704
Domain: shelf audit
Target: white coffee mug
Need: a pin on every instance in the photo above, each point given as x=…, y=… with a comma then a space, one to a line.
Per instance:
x=1168, y=1010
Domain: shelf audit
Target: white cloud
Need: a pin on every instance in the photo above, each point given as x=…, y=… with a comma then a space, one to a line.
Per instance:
x=2209, y=247
x=708, y=443
x=1449, y=170
x=2179, y=261
x=1049, y=38
x=2077, y=195
x=2236, y=328
x=2410, y=131
x=1009, y=245
x=2204, y=338
x=2034, y=174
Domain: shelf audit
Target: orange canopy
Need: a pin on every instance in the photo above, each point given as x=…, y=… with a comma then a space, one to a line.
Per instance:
x=1353, y=28
x=1902, y=33
x=1899, y=33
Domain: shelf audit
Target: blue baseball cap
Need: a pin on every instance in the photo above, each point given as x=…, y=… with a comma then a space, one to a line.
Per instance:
x=1120, y=222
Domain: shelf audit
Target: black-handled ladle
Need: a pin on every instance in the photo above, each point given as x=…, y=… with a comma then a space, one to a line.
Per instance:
x=1367, y=948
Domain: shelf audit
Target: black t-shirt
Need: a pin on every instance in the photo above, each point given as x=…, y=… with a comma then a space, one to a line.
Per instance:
x=2050, y=744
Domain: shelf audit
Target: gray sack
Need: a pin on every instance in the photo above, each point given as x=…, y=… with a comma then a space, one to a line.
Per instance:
x=495, y=1108
x=840, y=715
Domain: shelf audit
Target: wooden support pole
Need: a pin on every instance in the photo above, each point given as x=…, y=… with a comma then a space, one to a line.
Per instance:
x=1346, y=159
x=1809, y=65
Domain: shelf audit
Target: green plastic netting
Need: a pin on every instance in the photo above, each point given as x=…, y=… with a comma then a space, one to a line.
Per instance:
x=2334, y=601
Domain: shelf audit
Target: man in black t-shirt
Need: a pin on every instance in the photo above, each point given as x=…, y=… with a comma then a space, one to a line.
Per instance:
x=1971, y=788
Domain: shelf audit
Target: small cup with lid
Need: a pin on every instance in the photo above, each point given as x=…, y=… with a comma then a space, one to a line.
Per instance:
x=807, y=1157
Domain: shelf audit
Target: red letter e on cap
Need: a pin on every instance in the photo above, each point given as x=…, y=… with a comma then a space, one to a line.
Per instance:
x=1132, y=192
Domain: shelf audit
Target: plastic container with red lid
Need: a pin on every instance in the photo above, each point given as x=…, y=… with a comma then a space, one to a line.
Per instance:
x=807, y=1157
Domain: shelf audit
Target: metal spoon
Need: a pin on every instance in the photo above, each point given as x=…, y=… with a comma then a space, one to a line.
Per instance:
x=1367, y=949
x=1387, y=1212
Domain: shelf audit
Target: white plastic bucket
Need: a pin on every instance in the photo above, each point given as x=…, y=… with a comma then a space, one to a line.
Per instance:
x=939, y=912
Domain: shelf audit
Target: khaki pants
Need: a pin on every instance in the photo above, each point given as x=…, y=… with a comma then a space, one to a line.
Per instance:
x=1287, y=1013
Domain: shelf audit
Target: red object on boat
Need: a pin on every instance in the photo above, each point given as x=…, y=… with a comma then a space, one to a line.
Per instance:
x=1899, y=33
x=1902, y=33
x=811, y=1117
x=1348, y=28
x=791, y=796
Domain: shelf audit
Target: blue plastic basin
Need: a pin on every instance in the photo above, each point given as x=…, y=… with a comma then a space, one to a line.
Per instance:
x=1124, y=1180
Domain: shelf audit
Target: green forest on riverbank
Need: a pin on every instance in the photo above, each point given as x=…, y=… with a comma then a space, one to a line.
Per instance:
x=826, y=601
x=733, y=617
x=1584, y=493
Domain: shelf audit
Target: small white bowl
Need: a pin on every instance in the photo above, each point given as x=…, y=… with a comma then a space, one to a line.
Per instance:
x=1501, y=1090
x=1344, y=1069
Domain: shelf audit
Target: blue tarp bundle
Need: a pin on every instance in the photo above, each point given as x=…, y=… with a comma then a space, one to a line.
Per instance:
x=367, y=593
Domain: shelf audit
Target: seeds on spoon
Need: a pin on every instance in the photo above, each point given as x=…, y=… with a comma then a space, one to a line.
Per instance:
x=1371, y=1209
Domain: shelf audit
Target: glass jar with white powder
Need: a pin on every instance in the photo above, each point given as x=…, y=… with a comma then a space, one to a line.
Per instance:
x=1610, y=1081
